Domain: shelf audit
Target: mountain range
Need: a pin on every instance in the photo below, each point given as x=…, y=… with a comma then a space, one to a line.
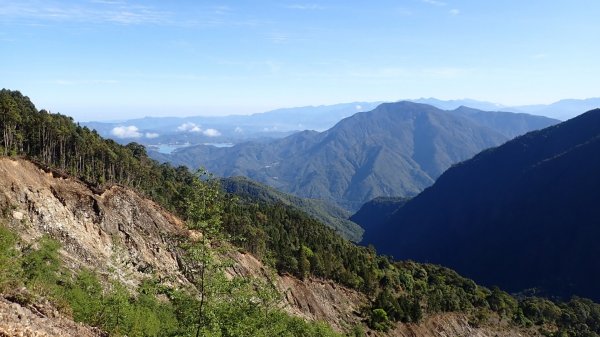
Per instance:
x=522, y=216
x=97, y=239
x=169, y=133
x=397, y=149
x=227, y=129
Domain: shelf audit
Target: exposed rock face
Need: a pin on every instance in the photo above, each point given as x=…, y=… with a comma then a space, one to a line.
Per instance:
x=16, y=320
x=124, y=235
x=451, y=325
x=312, y=299
x=117, y=232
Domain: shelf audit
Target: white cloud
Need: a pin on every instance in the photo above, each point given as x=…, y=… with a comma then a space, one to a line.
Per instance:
x=358, y=107
x=189, y=127
x=151, y=135
x=126, y=132
x=238, y=130
x=273, y=129
x=454, y=11
x=305, y=6
x=211, y=133
x=434, y=2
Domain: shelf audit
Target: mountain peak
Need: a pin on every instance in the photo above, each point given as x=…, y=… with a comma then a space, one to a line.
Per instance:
x=397, y=149
x=535, y=195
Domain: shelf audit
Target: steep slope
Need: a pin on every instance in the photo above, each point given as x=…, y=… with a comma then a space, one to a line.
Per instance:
x=523, y=215
x=124, y=236
x=116, y=231
x=120, y=234
x=395, y=150
x=327, y=213
x=376, y=212
x=40, y=321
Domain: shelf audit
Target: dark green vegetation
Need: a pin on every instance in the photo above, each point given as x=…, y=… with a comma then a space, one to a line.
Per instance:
x=281, y=234
x=377, y=211
x=327, y=213
x=523, y=215
x=397, y=149
x=157, y=310
x=55, y=141
x=401, y=291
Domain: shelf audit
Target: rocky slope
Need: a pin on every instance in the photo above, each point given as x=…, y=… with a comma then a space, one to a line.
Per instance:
x=121, y=234
x=16, y=320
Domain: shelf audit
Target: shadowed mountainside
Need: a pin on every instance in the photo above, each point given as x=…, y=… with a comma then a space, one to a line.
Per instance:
x=522, y=215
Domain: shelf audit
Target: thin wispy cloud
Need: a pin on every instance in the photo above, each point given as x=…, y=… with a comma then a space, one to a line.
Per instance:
x=83, y=82
x=98, y=11
x=278, y=38
x=380, y=73
x=403, y=11
x=119, y=13
x=222, y=10
x=108, y=2
x=389, y=73
x=454, y=12
x=434, y=2
x=305, y=7
x=444, y=72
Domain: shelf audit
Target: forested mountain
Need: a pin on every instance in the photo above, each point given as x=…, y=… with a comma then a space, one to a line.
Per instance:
x=522, y=215
x=376, y=212
x=71, y=249
x=396, y=149
x=327, y=213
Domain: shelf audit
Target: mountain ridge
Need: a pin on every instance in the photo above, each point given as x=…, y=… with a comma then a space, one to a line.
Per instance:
x=534, y=185
x=396, y=149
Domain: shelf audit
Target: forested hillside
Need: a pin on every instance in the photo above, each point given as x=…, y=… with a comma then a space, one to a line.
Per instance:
x=397, y=149
x=215, y=305
x=523, y=215
x=376, y=212
x=326, y=212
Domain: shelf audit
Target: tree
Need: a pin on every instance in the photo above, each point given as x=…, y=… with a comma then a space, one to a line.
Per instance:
x=9, y=119
x=203, y=210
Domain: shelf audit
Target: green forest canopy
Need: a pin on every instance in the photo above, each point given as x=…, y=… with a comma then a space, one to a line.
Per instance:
x=282, y=235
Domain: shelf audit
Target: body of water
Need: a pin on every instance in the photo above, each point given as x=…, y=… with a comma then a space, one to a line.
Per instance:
x=169, y=148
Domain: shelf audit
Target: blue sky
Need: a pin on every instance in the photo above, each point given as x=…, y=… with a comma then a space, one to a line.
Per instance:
x=112, y=59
